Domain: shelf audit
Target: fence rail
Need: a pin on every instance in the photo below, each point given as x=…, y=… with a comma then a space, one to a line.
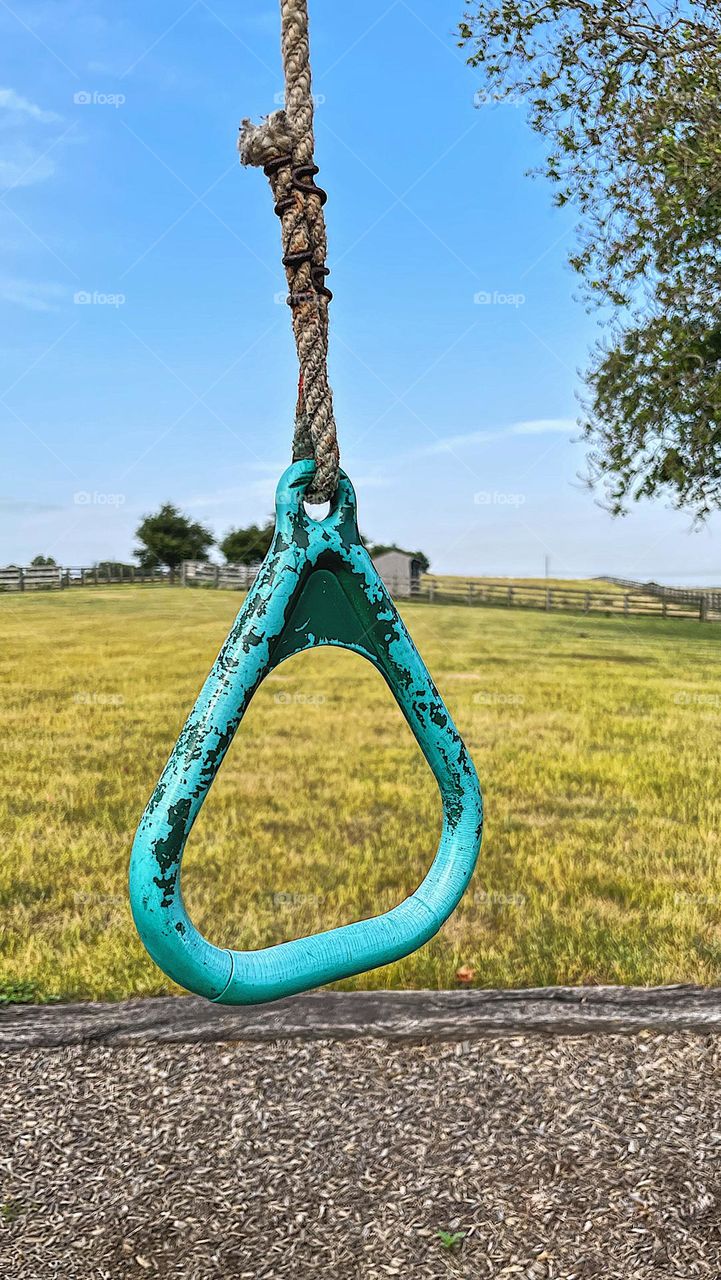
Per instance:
x=567, y=599
x=227, y=577
x=640, y=600
x=705, y=607
x=688, y=595
x=54, y=577
x=33, y=578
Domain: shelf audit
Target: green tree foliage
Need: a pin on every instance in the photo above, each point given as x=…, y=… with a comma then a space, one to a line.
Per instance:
x=169, y=537
x=247, y=546
x=627, y=94
x=43, y=562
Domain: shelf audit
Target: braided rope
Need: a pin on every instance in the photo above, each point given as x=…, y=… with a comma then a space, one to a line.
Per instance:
x=283, y=145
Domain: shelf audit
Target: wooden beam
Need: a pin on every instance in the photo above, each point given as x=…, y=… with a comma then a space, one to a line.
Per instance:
x=395, y=1015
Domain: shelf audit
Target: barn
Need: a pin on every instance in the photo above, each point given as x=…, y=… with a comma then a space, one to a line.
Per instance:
x=400, y=571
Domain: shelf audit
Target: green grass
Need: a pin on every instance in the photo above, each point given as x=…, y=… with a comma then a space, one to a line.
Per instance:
x=597, y=741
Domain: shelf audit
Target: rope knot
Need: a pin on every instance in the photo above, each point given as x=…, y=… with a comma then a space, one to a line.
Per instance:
x=282, y=145
x=261, y=144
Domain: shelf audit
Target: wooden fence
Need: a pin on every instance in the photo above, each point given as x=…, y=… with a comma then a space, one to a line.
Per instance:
x=53, y=577
x=643, y=600
x=433, y=590
x=694, y=596
x=227, y=577
x=33, y=578
x=701, y=607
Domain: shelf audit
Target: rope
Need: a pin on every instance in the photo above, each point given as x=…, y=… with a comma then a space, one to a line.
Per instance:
x=283, y=146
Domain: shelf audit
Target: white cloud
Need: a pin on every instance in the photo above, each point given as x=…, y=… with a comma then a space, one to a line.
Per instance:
x=24, y=162
x=263, y=489
x=22, y=166
x=31, y=295
x=17, y=105
x=14, y=506
x=542, y=427
x=531, y=427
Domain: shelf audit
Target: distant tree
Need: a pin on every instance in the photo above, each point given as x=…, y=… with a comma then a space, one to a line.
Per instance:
x=247, y=546
x=43, y=562
x=169, y=537
x=380, y=549
x=627, y=96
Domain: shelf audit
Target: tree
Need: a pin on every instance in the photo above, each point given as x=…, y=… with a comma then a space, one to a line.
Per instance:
x=627, y=94
x=380, y=549
x=169, y=537
x=247, y=546
x=44, y=562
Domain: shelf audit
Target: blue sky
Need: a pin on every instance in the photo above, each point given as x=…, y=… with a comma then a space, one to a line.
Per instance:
x=456, y=341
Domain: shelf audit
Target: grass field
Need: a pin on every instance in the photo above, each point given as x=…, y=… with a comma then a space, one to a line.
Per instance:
x=598, y=586
x=597, y=742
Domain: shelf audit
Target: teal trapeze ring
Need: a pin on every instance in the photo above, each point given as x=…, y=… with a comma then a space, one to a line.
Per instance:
x=317, y=586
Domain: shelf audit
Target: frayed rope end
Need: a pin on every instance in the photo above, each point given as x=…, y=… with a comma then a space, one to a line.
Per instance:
x=259, y=144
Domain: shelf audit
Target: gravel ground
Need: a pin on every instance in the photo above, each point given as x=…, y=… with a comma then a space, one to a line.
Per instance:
x=558, y=1157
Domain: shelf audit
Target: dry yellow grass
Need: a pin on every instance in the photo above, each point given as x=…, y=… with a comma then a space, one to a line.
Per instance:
x=596, y=739
x=598, y=586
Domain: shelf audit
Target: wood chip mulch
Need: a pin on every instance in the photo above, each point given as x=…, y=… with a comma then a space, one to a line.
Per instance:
x=557, y=1158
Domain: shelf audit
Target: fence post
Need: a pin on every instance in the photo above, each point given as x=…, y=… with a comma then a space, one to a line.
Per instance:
x=587, y=604
x=625, y=604
x=510, y=597
x=21, y=579
x=431, y=590
x=549, y=599
x=470, y=593
x=703, y=609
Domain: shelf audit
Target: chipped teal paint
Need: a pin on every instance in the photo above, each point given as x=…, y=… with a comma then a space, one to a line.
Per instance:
x=317, y=586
